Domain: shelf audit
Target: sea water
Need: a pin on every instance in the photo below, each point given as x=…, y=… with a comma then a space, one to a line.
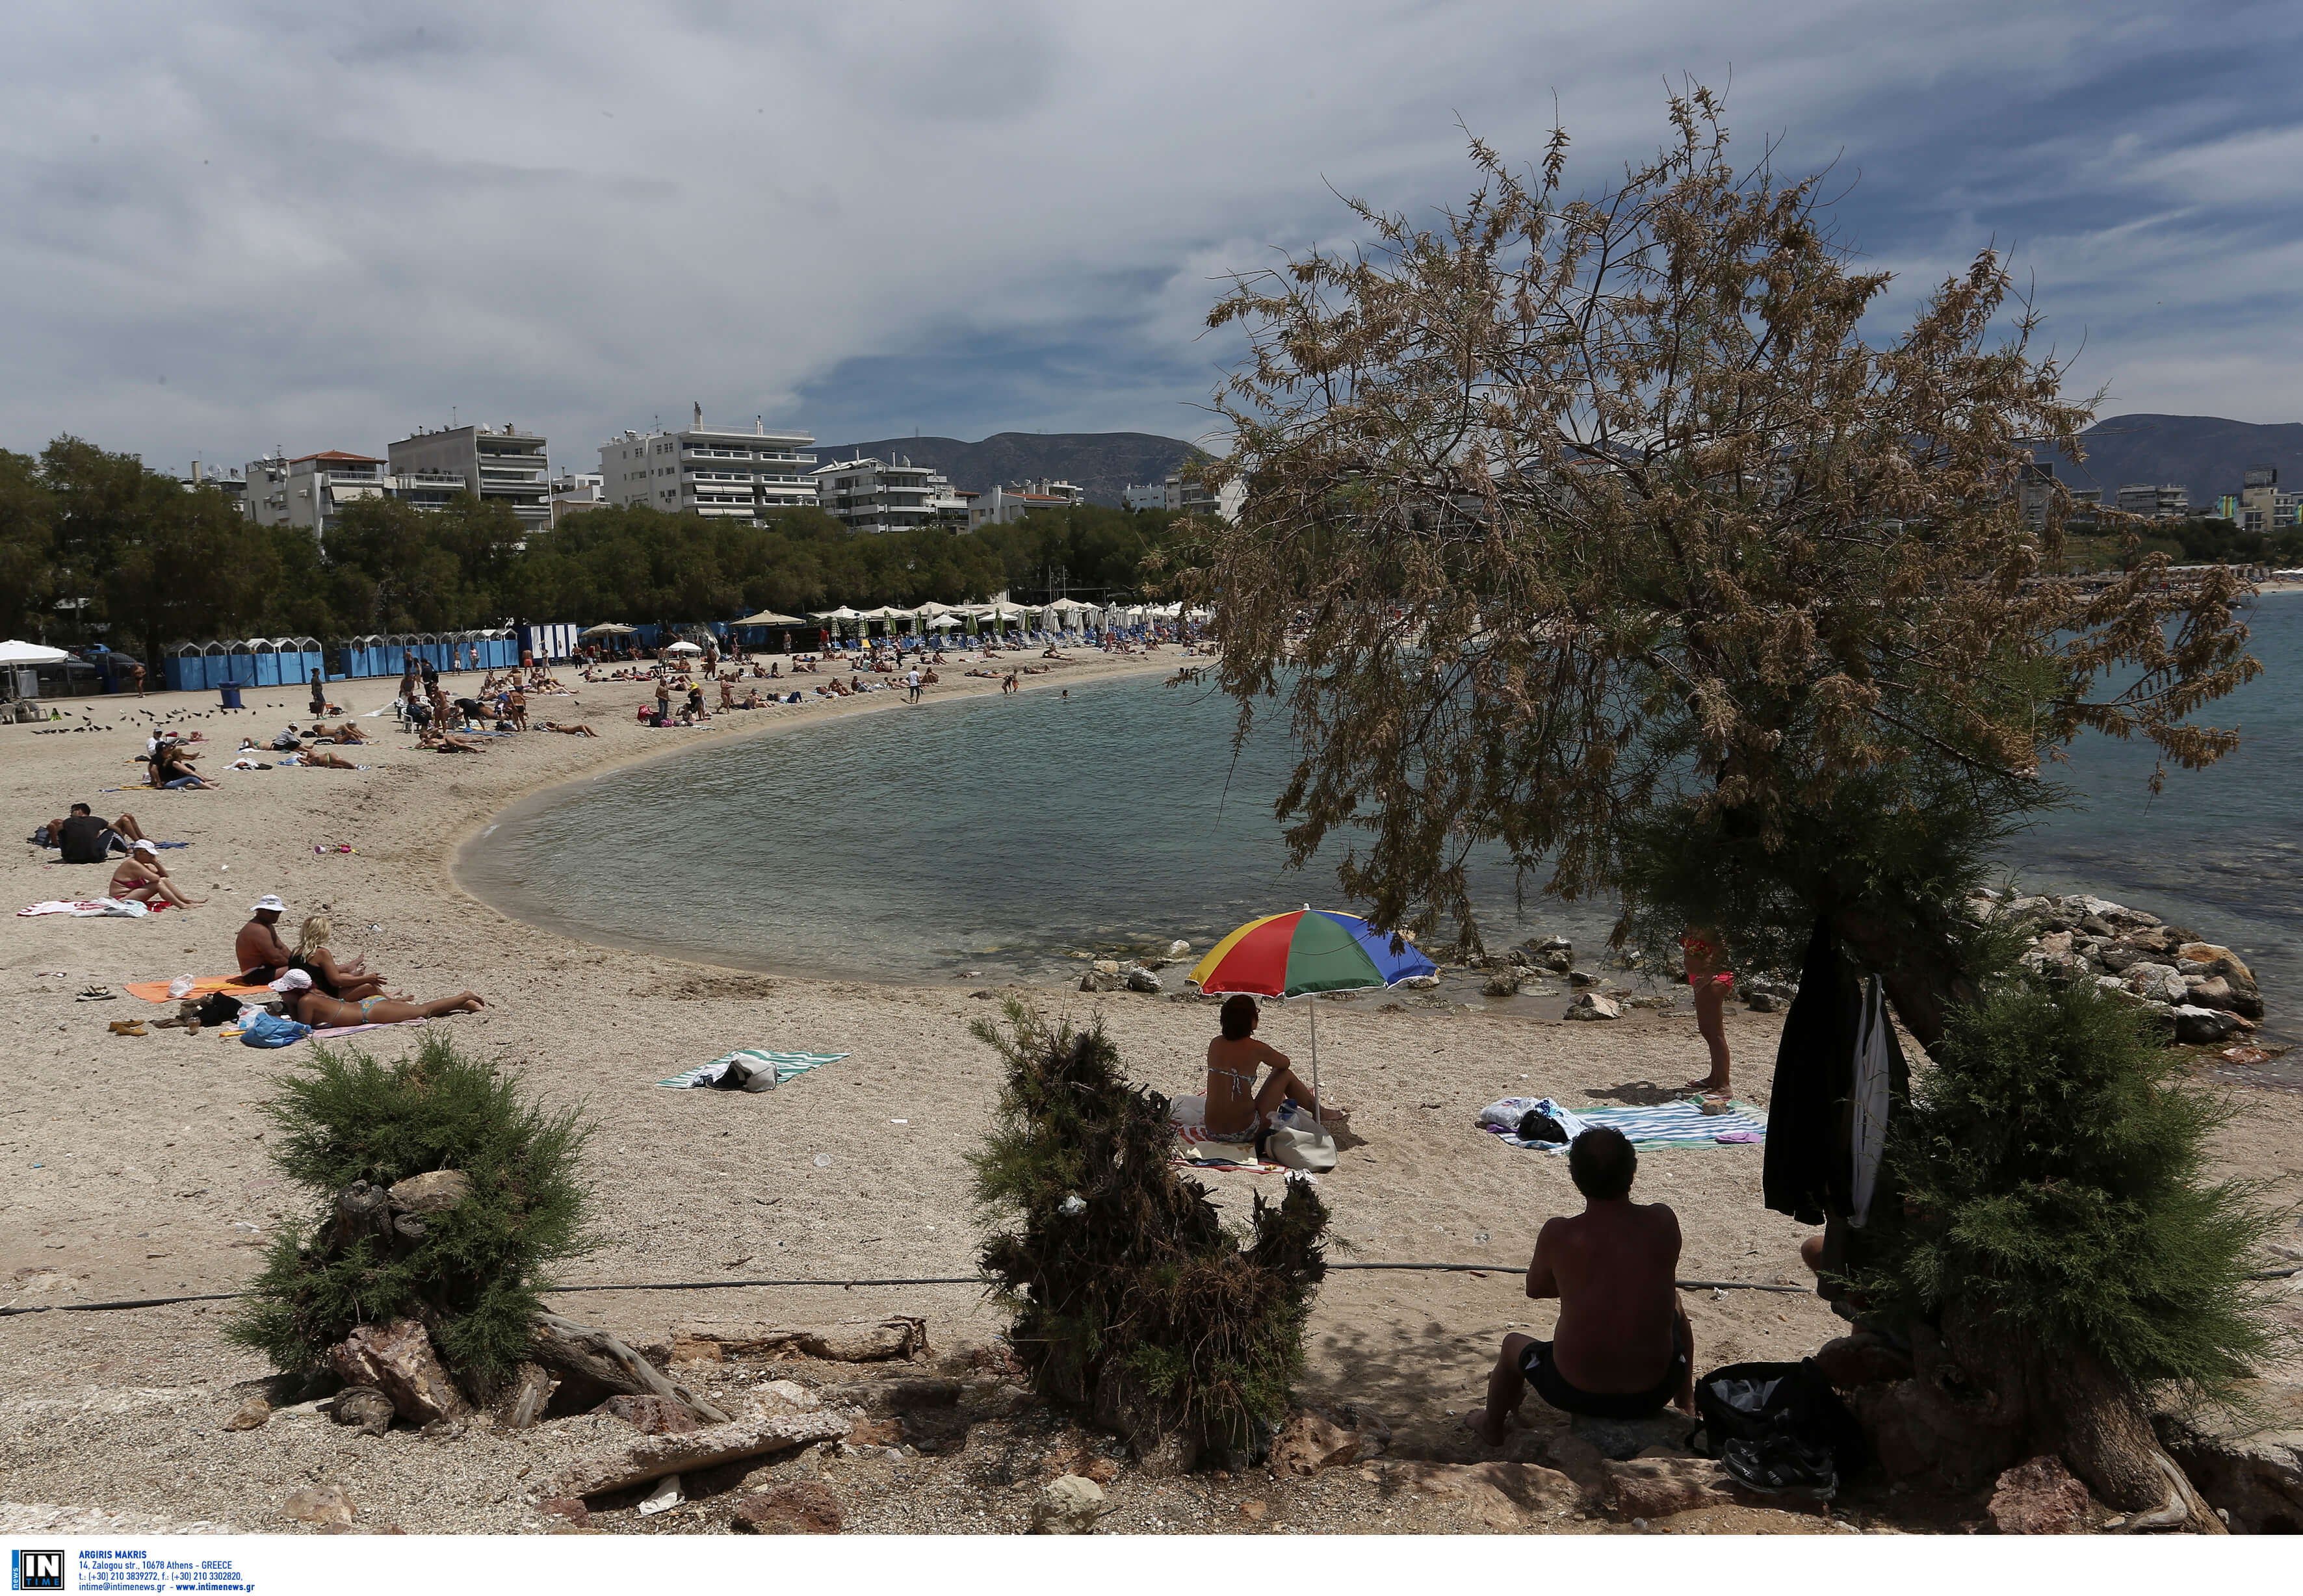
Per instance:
x=1001, y=837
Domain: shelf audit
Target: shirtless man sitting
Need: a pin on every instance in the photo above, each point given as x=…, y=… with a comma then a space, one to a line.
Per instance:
x=307, y=1004
x=1622, y=1348
x=257, y=950
x=142, y=877
x=1236, y=1106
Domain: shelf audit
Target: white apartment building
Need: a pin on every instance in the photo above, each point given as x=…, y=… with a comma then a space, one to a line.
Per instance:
x=709, y=471
x=2259, y=506
x=1015, y=501
x=1181, y=492
x=2161, y=501
x=506, y=467
x=574, y=492
x=888, y=495
x=311, y=491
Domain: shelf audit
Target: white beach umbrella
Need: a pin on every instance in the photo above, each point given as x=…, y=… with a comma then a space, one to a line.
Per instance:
x=16, y=652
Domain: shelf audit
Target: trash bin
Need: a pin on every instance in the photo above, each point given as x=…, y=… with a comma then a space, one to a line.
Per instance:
x=230, y=691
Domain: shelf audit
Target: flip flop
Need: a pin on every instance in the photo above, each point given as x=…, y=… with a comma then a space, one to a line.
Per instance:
x=95, y=994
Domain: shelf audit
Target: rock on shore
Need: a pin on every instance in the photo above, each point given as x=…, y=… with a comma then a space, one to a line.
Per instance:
x=2198, y=991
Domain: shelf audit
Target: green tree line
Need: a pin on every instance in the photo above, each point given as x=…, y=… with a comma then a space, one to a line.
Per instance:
x=96, y=546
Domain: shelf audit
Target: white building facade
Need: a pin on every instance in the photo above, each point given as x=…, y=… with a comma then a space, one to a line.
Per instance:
x=312, y=490
x=2161, y=501
x=888, y=495
x=505, y=467
x=1188, y=494
x=1015, y=500
x=709, y=471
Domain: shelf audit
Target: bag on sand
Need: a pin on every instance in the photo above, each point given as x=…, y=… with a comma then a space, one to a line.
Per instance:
x=1777, y=1427
x=1311, y=1150
x=271, y=1030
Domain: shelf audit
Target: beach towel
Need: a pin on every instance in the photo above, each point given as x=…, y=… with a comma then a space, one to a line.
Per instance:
x=89, y=907
x=1682, y=1124
x=325, y=1032
x=786, y=1065
x=232, y=986
x=1505, y=1113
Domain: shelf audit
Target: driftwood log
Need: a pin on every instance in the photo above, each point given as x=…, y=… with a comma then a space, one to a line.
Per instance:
x=600, y=1358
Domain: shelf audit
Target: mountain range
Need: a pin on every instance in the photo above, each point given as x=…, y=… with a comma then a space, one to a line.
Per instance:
x=2206, y=453
x=1100, y=463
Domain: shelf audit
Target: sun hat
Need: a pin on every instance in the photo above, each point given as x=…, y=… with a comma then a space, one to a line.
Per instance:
x=291, y=980
x=144, y=844
x=270, y=900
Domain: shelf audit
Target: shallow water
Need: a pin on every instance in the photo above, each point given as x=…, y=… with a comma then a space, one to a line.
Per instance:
x=999, y=837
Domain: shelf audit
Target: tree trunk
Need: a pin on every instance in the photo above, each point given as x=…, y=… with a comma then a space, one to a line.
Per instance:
x=362, y=1210
x=600, y=1358
x=2108, y=1441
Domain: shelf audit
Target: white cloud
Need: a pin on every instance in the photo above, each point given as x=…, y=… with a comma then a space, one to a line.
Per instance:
x=324, y=224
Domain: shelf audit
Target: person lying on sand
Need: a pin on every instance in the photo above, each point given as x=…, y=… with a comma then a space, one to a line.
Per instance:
x=326, y=757
x=1236, y=1105
x=440, y=741
x=322, y=732
x=1622, y=1348
x=308, y=1005
x=576, y=729
x=141, y=878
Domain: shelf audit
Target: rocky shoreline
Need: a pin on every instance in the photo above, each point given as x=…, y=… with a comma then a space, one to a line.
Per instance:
x=2197, y=993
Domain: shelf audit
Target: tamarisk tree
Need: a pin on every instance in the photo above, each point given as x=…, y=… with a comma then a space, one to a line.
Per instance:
x=1601, y=529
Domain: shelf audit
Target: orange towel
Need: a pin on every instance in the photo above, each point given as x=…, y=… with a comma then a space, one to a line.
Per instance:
x=158, y=991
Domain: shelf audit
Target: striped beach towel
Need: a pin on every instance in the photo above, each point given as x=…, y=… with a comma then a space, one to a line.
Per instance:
x=786, y=1064
x=1680, y=1124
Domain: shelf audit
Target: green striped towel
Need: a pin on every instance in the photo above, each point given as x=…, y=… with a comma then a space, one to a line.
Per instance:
x=786, y=1065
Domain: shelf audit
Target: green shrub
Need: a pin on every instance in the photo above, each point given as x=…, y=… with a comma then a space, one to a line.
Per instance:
x=475, y=1276
x=2053, y=1170
x=1138, y=1304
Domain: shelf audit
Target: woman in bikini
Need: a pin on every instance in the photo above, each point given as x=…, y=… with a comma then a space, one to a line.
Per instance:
x=349, y=980
x=1705, y=952
x=306, y=1005
x=1235, y=1105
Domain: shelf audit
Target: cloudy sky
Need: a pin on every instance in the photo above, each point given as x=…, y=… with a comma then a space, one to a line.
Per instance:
x=224, y=227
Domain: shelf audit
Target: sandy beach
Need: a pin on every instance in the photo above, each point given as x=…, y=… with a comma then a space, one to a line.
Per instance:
x=136, y=1166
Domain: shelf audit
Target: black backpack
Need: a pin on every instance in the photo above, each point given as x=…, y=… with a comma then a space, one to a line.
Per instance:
x=1777, y=1427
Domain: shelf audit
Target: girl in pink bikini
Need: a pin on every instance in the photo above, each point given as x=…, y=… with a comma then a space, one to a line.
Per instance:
x=1708, y=976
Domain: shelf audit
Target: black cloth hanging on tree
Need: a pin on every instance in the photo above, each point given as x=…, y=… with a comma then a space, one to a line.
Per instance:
x=1806, y=1174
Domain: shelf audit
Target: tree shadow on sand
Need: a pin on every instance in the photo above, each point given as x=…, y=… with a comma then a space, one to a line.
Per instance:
x=1419, y=1380
x=1637, y=1094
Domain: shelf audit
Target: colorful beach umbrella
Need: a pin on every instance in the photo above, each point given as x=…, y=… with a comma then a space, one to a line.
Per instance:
x=1304, y=953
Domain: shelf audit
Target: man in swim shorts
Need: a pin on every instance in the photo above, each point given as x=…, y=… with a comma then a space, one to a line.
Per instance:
x=1622, y=1348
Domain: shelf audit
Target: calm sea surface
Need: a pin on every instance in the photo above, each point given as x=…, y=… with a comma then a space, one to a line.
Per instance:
x=1001, y=835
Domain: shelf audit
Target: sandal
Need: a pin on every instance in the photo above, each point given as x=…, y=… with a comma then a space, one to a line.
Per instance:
x=95, y=994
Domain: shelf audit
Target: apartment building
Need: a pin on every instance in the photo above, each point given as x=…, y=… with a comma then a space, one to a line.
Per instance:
x=2259, y=506
x=2163, y=501
x=709, y=471
x=888, y=495
x=1015, y=500
x=575, y=491
x=231, y=480
x=1183, y=492
x=507, y=466
x=312, y=490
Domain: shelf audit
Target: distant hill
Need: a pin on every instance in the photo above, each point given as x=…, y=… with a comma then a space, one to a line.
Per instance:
x=2205, y=453
x=1100, y=463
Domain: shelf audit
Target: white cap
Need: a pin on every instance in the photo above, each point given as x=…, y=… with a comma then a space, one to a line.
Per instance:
x=291, y=980
x=144, y=844
x=271, y=900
